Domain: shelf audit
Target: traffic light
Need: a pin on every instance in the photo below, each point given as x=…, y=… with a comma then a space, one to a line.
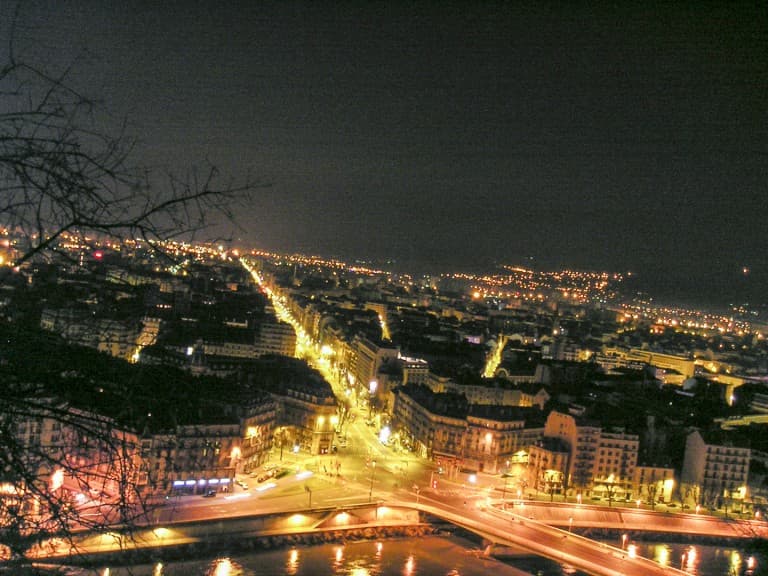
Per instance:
x=434, y=484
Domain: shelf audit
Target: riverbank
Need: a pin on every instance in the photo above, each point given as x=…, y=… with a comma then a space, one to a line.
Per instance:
x=242, y=535
x=245, y=545
x=235, y=535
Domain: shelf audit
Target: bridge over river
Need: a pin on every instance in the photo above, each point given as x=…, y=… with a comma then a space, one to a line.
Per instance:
x=543, y=529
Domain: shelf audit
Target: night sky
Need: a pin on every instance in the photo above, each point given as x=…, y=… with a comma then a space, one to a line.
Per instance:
x=621, y=136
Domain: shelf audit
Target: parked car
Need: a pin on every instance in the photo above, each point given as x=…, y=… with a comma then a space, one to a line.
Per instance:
x=209, y=494
x=267, y=474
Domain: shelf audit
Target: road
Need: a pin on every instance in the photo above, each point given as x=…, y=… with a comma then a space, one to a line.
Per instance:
x=368, y=471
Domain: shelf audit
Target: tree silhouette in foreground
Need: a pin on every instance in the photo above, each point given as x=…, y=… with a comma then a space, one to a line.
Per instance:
x=64, y=176
x=66, y=179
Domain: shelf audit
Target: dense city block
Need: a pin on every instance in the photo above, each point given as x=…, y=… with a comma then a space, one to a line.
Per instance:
x=132, y=379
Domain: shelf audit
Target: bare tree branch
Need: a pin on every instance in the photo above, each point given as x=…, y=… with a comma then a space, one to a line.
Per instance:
x=64, y=176
x=60, y=173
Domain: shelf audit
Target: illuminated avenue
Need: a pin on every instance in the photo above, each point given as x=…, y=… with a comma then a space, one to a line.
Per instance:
x=541, y=396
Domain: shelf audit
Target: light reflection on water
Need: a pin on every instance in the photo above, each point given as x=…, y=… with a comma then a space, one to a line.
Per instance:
x=292, y=565
x=431, y=556
x=705, y=560
x=407, y=557
x=224, y=567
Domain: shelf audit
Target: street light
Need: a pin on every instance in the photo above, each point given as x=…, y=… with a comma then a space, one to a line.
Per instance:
x=373, y=471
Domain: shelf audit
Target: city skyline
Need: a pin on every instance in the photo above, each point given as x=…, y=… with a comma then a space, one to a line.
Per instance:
x=626, y=138
x=212, y=376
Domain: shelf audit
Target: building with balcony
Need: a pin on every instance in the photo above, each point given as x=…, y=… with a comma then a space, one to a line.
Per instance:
x=259, y=423
x=654, y=484
x=274, y=337
x=305, y=403
x=614, y=472
x=68, y=452
x=547, y=466
x=495, y=434
x=715, y=468
x=600, y=460
x=445, y=428
x=433, y=424
x=191, y=459
x=582, y=439
x=117, y=338
x=308, y=420
x=369, y=356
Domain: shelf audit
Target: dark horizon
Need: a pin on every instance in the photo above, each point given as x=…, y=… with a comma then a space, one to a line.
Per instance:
x=622, y=137
x=705, y=291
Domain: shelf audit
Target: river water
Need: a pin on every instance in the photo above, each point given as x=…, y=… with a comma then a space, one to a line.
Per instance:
x=429, y=556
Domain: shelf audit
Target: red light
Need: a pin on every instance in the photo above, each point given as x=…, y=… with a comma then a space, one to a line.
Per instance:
x=98, y=254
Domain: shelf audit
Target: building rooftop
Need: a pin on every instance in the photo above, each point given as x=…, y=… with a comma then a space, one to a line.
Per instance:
x=443, y=404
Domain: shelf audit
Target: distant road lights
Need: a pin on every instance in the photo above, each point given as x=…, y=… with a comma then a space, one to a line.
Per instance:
x=472, y=478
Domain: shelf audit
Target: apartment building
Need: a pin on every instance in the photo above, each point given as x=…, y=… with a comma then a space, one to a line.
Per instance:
x=191, y=459
x=600, y=460
x=462, y=437
x=72, y=451
x=715, y=468
x=275, y=337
